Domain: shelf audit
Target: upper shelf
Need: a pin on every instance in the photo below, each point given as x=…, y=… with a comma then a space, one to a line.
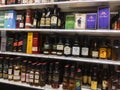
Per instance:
x=67, y=5
x=98, y=32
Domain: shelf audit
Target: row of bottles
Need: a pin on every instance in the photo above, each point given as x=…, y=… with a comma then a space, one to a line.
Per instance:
x=79, y=46
x=71, y=75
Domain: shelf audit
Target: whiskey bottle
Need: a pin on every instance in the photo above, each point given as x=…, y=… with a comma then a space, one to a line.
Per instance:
x=35, y=20
x=72, y=78
x=118, y=21
x=42, y=19
x=59, y=18
x=56, y=76
x=48, y=18
x=23, y=71
x=50, y=74
x=95, y=49
x=85, y=48
x=67, y=48
x=10, y=69
x=109, y=49
x=54, y=18
x=15, y=43
x=66, y=78
x=85, y=75
x=78, y=79
x=54, y=46
x=1, y=66
x=76, y=48
x=46, y=46
x=20, y=43
x=60, y=47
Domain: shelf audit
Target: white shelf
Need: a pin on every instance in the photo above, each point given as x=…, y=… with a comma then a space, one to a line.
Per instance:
x=89, y=60
x=66, y=5
x=98, y=32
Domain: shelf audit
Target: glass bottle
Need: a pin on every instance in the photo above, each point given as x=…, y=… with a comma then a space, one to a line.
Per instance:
x=85, y=48
x=72, y=78
x=85, y=75
x=78, y=79
x=15, y=43
x=20, y=43
x=109, y=49
x=1, y=66
x=23, y=71
x=10, y=69
x=103, y=50
x=116, y=50
x=54, y=46
x=60, y=47
x=48, y=18
x=59, y=18
x=46, y=46
x=67, y=48
x=50, y=74
x=118, y=21
x=35, y=20
x=76, y=48
x=56, y=76
x=42, y=19
x=66, y=78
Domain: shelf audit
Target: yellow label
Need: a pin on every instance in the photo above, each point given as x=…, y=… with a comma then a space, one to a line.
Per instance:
x=94, y=85
x=29, y=42
x=104, y=84
x=108, y=52
x=103, y=53
x=85, y=79
x=89, y=79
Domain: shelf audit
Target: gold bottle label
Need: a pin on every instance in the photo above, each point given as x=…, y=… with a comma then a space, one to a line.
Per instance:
x=108, y=52
x=94, y=85
x=85, y=79
x=103, y=53
x=104, y=84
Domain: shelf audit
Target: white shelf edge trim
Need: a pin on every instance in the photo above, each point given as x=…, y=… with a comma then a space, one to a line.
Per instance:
x=90, y=60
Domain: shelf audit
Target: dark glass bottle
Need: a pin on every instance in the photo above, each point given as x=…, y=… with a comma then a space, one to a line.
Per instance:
x=35, y=20
x=85, y=75
x=50, y=74
x=60, y=47
x=66, y=78
x=1, y=66
x=118, y=21
x=42, y=19
x=15, y=43
x=95, y=49
x=54, y=18
x=46, y=46
x=48, y=18
x=76, y=48
x=109, y=49
x=54, y=46
x=56, y=76
x=67, y=48
x=59, y=18
x=20, y=43
x=85, y=48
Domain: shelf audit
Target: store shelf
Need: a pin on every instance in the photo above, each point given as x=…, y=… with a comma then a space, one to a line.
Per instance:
x=89, y=60
x=66, y=5
x=98, y=32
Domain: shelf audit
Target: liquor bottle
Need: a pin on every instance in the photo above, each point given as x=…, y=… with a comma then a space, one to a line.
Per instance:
x=46, y=46
x=103, y=50
x=118, y=21
x=37, y=75
x=23, y=71
x=1, y=66
x=54, y=18
x=67, y=48
x=76, y=48
x=31, y=74
x=118, y=77
x=66, y=78
x=35, y=20
x=94, y=81
x=89, y=74
x=85, y=48
x=105, y=79
x=48, y=18
x=78, y=79
x=85, y=75
x=5, y=67
x=50, y=74
x=59, y=18
x=15, y=43
x=20, y=43
x=42, y=19
x=72, y=78
x=10, y=69
x=95, y=49
x=116, y=50
x=54, y=46
x=60, y=47
x=56, y=76
x=109, y=49
x=17, y=70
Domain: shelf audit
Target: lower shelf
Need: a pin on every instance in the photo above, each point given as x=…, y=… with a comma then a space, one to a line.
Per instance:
x=47, y=87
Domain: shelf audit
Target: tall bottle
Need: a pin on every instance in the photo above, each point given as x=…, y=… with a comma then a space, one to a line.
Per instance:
x=20, y=43
x=67, y=48
x=1, y=66
x=15, y=43
x=60, y=47
x=118, y=21
x=54, y=18
x=50, y=74
x=109, y=49
x=85, y=75
x=54, y=46
x=48, y=18
x=56, y=76
x=42, y=19
x=66, y=78
x=76, y=48
x=35, y=20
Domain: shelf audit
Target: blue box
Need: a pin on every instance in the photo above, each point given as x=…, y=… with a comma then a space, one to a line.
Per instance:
x=91, y=20
x=103, y=18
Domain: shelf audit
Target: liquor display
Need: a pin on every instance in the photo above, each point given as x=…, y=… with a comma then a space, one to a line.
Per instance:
x=40, y=73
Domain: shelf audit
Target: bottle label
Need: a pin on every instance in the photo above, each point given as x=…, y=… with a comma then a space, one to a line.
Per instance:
x=10, y=77
x=67, y=50
x=59, y=53
x=94, y=53
x=27, y=77
x=23, y=76
x=31, y=76
x=103, y=53
x=34, y=48
x=42, y=22
x=47, y=21
x=94, y=85
x=89, y=80
x=16, y=72
x=36, y=77
x=76, y=51
x=84, y=51
x=21, y=25
x=9, y=71
x=104, y=84
x=46, y=52
x=78, y=85
x=85, y=79
x=46, y=46
x=56, y=78
x=34, y=22
x=59, y=22
x=59, y=47
x=54, y=20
